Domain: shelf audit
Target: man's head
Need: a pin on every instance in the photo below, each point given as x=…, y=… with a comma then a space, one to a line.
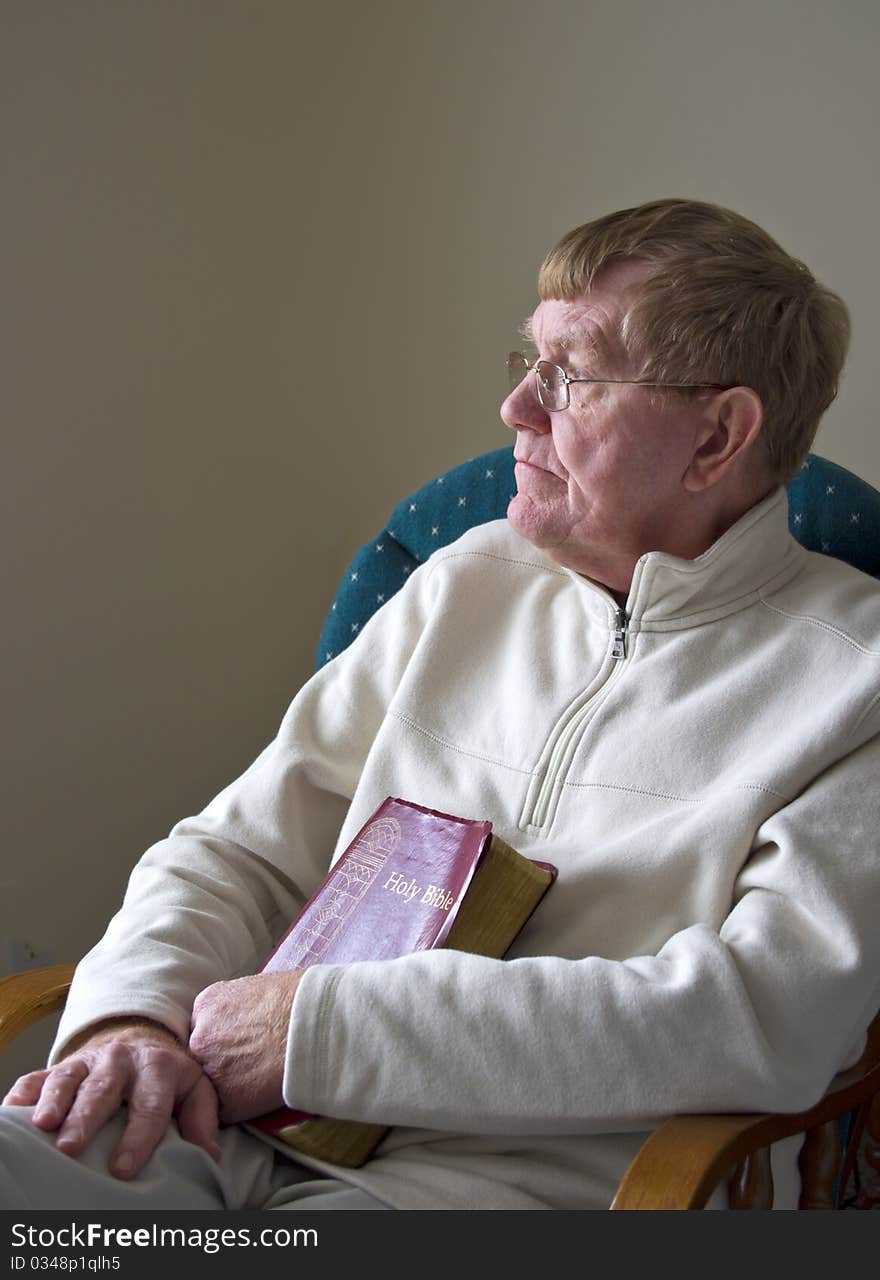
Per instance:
x=675, y=294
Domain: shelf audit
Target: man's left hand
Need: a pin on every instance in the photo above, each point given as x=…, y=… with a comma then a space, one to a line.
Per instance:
x=239, y=1035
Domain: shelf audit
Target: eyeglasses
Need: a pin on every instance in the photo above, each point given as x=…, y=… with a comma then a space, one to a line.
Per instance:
x=553, y=382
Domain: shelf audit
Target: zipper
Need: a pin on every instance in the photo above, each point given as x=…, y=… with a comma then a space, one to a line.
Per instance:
x=570, y=724
x=618, y=635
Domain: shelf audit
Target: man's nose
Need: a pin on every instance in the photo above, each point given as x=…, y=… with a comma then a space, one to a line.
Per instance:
x=522, y=411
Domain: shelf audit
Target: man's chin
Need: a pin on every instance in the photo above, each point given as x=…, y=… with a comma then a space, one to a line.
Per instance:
x=526, y=517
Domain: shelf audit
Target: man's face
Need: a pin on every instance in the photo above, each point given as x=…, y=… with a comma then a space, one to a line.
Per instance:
x=598, y=483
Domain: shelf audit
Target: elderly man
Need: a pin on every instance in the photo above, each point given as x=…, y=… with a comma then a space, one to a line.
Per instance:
x=638, y=676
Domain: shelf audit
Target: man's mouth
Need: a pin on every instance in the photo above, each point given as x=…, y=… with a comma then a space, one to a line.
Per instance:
x=535, y=466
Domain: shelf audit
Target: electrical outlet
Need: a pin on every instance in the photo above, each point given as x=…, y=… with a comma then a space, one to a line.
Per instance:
x=17, y=954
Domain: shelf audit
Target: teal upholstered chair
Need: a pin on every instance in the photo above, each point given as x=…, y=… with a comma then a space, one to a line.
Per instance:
x=831, y=511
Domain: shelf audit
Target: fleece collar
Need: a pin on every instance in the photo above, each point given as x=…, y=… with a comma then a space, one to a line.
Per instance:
x=756, y=555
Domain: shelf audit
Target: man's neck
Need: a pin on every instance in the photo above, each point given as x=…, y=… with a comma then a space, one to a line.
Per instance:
x=698, y=531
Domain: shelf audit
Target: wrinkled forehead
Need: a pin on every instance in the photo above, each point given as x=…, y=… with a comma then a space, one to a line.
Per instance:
x=580, y=327
x=591, y=324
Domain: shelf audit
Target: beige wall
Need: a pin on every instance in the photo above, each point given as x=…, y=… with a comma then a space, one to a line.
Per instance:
x=202, y=202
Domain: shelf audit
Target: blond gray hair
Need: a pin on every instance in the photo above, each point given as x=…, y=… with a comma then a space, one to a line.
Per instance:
x=723, y=303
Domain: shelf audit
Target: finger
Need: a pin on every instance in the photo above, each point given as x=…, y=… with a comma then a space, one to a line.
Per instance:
x=203, y=999
x=26, y=1090
x=158, y=1081
x=200, y=1027
x=198, y=1117
x=59, y=1090
x=100, y=1095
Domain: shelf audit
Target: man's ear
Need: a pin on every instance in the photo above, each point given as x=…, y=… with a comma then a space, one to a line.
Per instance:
x=728, y=430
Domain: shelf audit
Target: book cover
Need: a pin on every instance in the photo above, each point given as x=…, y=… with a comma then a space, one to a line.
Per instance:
x=412, y=879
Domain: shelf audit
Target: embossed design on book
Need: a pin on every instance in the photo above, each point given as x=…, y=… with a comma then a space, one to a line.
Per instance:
x=351, y=880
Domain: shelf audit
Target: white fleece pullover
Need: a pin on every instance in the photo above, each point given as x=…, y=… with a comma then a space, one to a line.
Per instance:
x=711, y=802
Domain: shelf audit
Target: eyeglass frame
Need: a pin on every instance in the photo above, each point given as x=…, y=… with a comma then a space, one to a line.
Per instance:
x=631, y=382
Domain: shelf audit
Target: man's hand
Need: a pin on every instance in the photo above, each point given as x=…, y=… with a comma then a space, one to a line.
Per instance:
x=239, y=1035
x=129, y=1061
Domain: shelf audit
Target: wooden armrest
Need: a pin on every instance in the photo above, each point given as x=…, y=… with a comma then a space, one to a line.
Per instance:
x=682, y=1162
x=25, y=997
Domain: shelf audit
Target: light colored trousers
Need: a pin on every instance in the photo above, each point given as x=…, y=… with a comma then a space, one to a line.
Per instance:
x=252, y=1175
x=180, y=1175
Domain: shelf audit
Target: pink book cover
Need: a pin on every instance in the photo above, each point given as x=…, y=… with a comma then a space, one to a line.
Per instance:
x=396, y=889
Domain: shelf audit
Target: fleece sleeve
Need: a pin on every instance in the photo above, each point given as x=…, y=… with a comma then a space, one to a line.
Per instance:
x=209, y=902
x=756, y=1015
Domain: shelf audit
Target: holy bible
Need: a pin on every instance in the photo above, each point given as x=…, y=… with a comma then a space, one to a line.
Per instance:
x=412, y=879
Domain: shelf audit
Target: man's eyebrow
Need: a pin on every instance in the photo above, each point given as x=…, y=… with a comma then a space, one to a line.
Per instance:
x=585, y=340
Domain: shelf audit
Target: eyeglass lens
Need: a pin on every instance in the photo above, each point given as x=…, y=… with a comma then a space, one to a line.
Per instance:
x=552, y=391
x=549, y=378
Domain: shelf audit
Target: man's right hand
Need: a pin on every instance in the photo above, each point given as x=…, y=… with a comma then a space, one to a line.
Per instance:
x=130, y=1061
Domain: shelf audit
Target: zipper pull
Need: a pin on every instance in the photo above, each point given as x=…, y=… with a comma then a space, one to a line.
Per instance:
x=618, y=635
